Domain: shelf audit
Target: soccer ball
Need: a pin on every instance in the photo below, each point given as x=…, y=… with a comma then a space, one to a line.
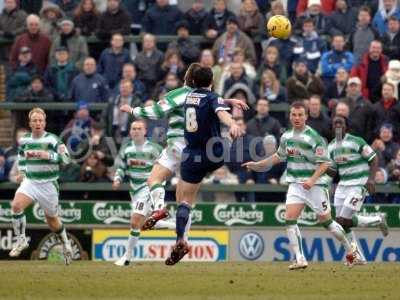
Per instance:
x=279, y=27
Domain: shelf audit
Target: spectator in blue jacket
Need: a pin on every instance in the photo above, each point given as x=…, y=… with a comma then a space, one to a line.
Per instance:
x=337, y=58
x=112, y=60
x=215, y=22
x=161, y=18
x=309, y=45
x=380, y=21
x=58, y=77
x=89, y=85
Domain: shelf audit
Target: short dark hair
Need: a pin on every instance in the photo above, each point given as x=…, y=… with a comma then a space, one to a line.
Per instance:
x=203, y=77
x=365, y=8
x=189, y=74
x=393, y=18
x=299, y=104
x=308, y=20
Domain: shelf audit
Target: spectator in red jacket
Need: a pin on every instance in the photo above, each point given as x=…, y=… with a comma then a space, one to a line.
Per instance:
x=328, y=6
x=372, y=67
x=34, y=40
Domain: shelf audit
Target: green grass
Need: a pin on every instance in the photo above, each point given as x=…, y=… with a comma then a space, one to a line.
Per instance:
x=94, y=280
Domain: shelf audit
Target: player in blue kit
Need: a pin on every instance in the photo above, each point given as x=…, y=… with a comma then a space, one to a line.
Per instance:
x=203, y=154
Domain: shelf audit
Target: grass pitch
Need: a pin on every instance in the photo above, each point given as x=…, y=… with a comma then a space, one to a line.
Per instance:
x=95, y=280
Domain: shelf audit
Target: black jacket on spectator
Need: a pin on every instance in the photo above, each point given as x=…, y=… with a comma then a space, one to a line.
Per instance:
x=361, y=117
x=188, y=49
x=333, y=91
x=391, y=46
x=120, y=22
x=390, y=115
x=343, y=22
x=302, y=88
x=322, y=124
x=19, y=79
x=218, y=24
x=161, y=20
x=195, y=20
x=87, y=23
x=148, y=67
x=31, y=6
x=30, y=96
x=137, y=9
x=264, y=126
x=230, y=81
x=12, y=23
x=59, y=80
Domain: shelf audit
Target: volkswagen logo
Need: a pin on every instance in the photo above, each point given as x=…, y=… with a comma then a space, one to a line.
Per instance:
x=251, y=246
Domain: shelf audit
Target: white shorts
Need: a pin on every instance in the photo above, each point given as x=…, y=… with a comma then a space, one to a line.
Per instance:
x=351, y=197
x=46, y=194
x=170, y=157
x=140, y=202
x=317, y=198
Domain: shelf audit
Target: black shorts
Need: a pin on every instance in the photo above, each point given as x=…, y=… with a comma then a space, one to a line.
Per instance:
x=196, y=164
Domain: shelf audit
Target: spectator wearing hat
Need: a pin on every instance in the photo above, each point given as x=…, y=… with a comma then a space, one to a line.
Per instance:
x=89, y=85
x=12, y=20
x=118, y=122
x=233, y=38
x=343, y=19
x=114, y=20
x=58, y=77
x=251, y=21
x=302, y=84
x=317, y=119
x=370, y=70
x=384, y=144
x=36, y=41
x=391, y=39
x=313, y=12
x=21, y=75
x=263, y=123
x=78, y=128
x=216, y=20
x=387, y=110
x=362, y=35
x=380, y=21
x=148, y=62
x=195, y=17
x=161, y=18
x=86, y=17
x=392, y=75
x=327, y=6
x=70, y=38
x=188, y=49
x=334, y=59
x=50, y=15
x=36, y=92
x=309, y=45
x=112, y=60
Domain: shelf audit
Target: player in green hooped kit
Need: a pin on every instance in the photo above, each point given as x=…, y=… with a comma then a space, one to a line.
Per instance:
x=40, y=155
x=170, y=106
x=356, y=163
x=306, y=155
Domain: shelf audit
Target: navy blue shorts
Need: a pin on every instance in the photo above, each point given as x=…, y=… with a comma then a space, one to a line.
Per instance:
x=196, y=164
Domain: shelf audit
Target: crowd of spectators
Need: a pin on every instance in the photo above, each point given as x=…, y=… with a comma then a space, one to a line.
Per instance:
x=342, y=58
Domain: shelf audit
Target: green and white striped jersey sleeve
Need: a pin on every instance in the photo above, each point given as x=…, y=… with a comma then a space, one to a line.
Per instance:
x=42, y=170
x=281, y=152
x=136, y=162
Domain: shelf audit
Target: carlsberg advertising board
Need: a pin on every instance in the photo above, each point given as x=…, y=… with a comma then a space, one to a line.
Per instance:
x=117, y=214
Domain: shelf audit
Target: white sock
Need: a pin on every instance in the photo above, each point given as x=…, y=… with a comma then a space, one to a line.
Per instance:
x=338, y=232
x=162, y=224
x=132, y=241
x=187, y=228
x=351, y=236
x=19, y=224
x=157, y=195
x=364, y=221
x=62, y=234
x=294, y=235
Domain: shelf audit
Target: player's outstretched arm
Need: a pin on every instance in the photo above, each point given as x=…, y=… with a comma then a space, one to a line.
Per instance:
x=240, y=104
x=321, y=170
x=373, y=167
x=262, y=165
x=226, y=118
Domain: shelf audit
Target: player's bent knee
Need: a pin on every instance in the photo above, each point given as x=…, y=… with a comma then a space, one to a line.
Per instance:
x=16, y=207
x=137, y=221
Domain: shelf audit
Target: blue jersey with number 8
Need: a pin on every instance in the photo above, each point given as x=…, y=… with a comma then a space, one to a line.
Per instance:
x=201, y=120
